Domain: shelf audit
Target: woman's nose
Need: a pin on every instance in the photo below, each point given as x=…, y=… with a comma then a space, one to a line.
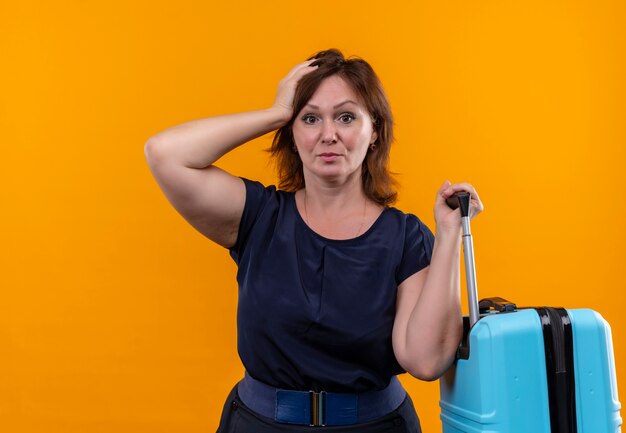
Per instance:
x=329, y=133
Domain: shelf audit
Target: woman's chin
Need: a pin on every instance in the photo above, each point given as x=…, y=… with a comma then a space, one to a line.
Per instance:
x=334, y=173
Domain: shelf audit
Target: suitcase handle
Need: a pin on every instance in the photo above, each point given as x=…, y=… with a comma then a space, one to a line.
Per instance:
x=461, y=200
x=496, y=303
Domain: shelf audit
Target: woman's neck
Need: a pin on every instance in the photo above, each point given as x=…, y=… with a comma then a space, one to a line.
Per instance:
x=334, y=198
x=337, y=211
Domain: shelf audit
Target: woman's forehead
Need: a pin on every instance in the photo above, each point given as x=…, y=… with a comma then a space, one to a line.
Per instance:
x=334, y=91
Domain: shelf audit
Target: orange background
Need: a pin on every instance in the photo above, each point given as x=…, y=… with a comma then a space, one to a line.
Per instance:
x=116, y=316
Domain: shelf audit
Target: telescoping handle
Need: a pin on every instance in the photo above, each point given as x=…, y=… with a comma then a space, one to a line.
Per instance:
x=462, y=200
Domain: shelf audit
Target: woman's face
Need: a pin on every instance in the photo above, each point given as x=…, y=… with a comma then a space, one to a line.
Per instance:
x=333, y=131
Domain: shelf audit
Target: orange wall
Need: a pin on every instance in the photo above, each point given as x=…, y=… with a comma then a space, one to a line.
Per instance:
x=115, y=316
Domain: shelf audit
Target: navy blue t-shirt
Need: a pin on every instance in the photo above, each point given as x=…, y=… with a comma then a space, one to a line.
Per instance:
x=317, y=313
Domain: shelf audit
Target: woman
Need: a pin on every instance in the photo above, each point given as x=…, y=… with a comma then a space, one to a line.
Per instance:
x=338, y=291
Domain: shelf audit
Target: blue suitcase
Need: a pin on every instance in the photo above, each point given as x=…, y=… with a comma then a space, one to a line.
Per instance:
x=535, y=370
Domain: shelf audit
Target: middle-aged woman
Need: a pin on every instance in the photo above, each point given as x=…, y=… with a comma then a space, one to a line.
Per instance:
x=339, y=292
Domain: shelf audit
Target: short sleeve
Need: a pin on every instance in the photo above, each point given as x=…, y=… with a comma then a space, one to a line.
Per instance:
x=257, y=196
x=418, y=248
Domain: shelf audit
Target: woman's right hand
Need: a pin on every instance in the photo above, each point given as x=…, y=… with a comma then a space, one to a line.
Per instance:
x=287, y=88
x=449, y=220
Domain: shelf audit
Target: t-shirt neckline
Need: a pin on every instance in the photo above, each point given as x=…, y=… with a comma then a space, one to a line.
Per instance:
x=348, y=240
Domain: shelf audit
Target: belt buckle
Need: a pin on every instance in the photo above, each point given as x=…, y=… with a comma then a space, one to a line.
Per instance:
x=318, y=402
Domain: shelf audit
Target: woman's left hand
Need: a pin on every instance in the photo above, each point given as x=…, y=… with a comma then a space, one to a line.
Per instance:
x=450, y=219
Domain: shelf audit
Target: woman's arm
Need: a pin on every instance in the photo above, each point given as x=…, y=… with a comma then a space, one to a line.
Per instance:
x=181, y=159
x=428, y=325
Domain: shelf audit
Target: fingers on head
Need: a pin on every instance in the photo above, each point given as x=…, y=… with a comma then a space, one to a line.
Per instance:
x=301, y=70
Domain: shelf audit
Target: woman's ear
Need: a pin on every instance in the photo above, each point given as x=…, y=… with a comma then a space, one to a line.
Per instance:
x=374, y=130
x=374, y=136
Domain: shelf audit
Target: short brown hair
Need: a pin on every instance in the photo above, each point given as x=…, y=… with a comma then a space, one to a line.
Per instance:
x=378, y=183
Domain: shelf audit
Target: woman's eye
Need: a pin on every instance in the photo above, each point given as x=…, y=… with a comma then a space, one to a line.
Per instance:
x=346, y=117
x=309, y=119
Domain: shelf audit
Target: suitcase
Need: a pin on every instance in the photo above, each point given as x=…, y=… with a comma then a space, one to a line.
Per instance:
x=528, y=370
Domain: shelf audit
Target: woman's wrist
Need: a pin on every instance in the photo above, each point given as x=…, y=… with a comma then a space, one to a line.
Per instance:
x=448, y=234
x=281, y=114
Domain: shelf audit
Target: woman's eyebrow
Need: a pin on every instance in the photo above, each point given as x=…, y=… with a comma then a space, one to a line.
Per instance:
x=349, y=101
x=344, y=103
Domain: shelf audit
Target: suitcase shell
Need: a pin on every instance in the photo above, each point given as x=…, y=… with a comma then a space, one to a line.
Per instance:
x=542, y=370
x=502, y=386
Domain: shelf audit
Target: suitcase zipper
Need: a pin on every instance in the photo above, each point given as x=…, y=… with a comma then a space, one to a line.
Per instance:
x=559, y=353
x=557, y=339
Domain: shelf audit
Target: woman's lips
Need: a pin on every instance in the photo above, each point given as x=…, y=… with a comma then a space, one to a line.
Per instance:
x=329, y=156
